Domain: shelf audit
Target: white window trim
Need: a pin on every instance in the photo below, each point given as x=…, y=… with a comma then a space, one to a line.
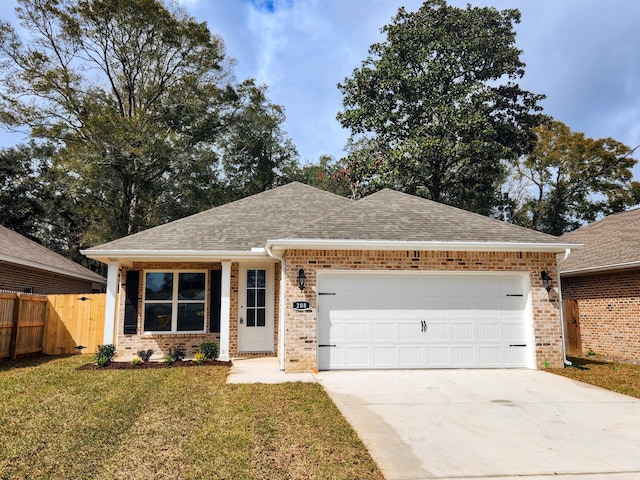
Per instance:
x=174, y=303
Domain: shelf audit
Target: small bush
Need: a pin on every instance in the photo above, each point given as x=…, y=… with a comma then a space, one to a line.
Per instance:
x=105, y=354
x=209, y=349
x=199, y=357
x=168, y=360
x=145, y=355
x=137, y=361
x=177, y=353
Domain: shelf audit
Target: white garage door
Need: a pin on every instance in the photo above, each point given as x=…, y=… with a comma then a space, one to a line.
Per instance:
x=423, y=321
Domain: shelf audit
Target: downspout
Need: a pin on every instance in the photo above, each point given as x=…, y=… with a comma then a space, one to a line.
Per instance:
x=567, y=363
x=281, y=306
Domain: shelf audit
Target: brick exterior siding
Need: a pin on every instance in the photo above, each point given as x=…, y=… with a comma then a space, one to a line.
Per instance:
x=128, y=345
x=16, y=278
x=301, y=328
x=301, y=341
x=609, y=313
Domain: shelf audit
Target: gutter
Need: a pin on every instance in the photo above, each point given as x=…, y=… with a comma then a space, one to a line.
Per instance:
x=58, y=270
x=567, y=363
x=321, y=244
x=281, y=304
x=172, y=255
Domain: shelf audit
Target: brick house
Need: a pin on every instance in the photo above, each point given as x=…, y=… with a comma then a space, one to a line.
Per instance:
x=324, y=282
x=602, y=282
x=27, y=266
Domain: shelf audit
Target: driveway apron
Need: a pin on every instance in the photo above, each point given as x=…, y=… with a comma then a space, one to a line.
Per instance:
x=443, y=424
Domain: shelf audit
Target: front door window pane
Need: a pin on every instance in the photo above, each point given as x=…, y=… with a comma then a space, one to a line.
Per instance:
x=256, y=297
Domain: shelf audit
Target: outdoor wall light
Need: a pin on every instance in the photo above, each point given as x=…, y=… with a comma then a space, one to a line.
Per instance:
x=302, y=279
x=546, y=279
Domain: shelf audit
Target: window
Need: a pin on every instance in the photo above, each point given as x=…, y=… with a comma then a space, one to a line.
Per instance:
x=256, y=298
x=174, y=301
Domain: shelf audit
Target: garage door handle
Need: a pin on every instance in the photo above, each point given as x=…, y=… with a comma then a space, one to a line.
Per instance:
x=518, y=345
x=327, y=345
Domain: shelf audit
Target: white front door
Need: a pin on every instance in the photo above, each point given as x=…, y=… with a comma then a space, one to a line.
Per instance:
x=255, y=308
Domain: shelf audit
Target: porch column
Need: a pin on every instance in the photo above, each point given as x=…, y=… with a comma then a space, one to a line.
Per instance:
x=110, y=309
x=225, y=306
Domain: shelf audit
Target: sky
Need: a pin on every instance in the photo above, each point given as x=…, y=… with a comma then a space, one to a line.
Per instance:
x=584, y=55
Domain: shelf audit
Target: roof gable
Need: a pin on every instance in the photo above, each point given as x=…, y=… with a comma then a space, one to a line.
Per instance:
x=15, y=248
x=609, y=244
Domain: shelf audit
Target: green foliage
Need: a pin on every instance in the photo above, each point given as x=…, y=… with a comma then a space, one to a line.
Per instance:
x=145, y=355
x=439, y=97
x=327, y=174
x=105, y=354
x=177, y=353
x=573, y=179
x=168, y=360
x=139, y=93
x=209, y=350
x=199, y=357
x=137, y=361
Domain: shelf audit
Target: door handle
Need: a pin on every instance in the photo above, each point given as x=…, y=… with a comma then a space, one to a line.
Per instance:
x=241, y=320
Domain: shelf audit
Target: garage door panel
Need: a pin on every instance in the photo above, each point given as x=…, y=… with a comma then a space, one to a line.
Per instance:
x=417, y=321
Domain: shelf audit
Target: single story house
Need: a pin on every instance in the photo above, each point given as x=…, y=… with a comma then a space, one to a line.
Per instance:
x=324, y=282
x=27, y=266
x=601, y=284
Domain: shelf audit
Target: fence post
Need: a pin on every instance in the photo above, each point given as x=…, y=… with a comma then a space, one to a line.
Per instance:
x=13, y=342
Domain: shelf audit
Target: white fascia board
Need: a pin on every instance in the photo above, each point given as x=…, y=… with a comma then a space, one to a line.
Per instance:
x=49, y=268
x=172, y=255
x=600, y=269
x=283, y=244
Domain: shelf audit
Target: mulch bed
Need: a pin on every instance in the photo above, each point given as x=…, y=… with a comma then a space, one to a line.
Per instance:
x=131, y=366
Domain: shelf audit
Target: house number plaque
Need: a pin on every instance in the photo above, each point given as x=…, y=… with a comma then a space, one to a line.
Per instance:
x=301, y=305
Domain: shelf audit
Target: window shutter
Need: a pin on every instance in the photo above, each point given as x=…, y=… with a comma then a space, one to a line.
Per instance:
x=131, y=302
x=215, y=300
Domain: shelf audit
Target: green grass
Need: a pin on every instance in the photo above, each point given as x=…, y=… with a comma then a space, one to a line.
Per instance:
x=619, y=377
x=180, y=423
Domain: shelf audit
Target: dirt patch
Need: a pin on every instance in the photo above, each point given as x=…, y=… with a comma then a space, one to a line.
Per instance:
x=145, y=365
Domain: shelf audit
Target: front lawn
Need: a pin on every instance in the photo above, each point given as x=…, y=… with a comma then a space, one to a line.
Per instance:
x=180, y=423
x=619, y=377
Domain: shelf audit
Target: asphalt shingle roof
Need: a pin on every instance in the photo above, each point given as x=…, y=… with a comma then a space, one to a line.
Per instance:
x=17, y=249
x=613, y=242
x=391, y=215
x=298, y=211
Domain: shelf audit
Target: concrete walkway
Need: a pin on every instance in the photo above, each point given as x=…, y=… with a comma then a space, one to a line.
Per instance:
x=263, y=370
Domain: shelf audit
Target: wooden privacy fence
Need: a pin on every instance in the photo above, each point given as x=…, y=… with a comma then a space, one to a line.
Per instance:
x=74, y=320
x=22, y=324
x=53, y=324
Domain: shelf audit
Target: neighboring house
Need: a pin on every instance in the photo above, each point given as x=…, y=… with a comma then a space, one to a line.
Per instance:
x=603, y=281
x=324, y=282
x=27, y=266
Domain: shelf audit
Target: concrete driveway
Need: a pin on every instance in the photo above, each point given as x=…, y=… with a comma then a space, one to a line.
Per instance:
x=479, y=424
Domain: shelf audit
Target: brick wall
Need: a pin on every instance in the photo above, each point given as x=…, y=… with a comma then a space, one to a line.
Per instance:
x=128, y=345
x=301, y=341
x=17, y=277
x=609, y=313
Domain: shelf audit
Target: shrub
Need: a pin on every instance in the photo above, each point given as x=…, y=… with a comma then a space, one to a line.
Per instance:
x=145, y=355
x=209, y=349
x=137, y=361
x=199, y=357
x=168, y=360
x=177, y=353
x=105, y=354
